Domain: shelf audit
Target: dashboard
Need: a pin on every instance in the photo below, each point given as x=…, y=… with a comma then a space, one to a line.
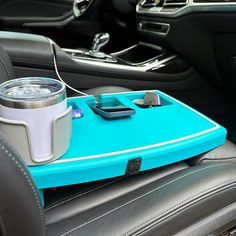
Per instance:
x=201, y=31
x=177, y=8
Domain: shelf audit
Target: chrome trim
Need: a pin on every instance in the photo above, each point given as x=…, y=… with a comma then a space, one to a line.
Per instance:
x=73, y=50
x=33, y=103
x=117, y=63
x=151, y=46
x=175, y=4
x=140, y=27
x=87, y=55
x=190, y=7
x=144, y=62
x=143, y=3
x=30, y=105
x=78, y=11
x=136, y=45
x=123, y=51
x=141, y=67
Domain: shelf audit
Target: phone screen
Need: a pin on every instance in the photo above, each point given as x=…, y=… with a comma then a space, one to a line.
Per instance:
x=111, y=107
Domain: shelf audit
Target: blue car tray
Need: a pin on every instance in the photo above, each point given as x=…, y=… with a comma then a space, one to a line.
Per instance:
x=153, y=137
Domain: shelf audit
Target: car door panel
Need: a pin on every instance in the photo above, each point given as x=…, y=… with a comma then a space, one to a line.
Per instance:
x=20, y=12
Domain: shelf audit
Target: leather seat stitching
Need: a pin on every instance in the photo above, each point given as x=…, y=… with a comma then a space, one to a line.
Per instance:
x=135, y=199
x=152, y=220
x=5, y=226
x=84, y=193
x=29, y=181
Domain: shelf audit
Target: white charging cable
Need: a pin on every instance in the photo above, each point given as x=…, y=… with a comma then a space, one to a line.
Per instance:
x=58, y=74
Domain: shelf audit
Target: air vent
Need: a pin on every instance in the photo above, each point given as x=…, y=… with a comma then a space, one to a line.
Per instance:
x=151, y=3
x=175, y=3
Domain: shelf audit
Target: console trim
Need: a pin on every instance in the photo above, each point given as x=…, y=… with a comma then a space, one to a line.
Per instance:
x=112, y=61
x=144, y=67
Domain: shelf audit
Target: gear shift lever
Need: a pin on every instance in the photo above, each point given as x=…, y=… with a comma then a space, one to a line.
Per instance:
x=99, y=41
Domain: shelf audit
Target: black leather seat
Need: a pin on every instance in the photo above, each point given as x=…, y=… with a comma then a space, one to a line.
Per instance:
x=174, y=200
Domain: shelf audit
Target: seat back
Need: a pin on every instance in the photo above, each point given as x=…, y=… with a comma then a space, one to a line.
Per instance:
x=6, y=67
x=21, y=211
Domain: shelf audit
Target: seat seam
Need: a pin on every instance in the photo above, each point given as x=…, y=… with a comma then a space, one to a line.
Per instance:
x=26, y=175
x=201, y=194
x=83, y=194
x=6, y=68
x=3, y=217
x=15, y=59
x=140, y=197
x=216, y=159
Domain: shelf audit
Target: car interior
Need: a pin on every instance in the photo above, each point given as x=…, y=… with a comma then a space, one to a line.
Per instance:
x=185, y=48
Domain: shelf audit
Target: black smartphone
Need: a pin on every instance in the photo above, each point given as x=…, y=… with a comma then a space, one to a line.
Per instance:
x=111, y=110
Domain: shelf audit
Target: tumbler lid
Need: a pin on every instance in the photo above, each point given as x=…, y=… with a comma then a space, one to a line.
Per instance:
x=31, y=93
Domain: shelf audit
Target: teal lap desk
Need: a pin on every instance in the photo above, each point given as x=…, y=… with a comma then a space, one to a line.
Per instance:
x=101, y=148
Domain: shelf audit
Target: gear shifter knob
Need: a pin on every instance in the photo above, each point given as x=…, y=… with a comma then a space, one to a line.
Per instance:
x=99, y=41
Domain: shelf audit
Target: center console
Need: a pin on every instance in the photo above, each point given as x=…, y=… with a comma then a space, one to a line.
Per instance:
x=140, y=66
x=36, y=51
x=140, y=57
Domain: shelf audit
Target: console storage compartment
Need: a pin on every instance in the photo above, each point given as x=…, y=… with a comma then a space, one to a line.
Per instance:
x=139, y=53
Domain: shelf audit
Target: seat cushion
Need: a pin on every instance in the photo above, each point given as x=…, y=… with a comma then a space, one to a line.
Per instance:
x=65, y=197
x=106, y=89
x=224, y=153
x=68, y=202
x=147, y=204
